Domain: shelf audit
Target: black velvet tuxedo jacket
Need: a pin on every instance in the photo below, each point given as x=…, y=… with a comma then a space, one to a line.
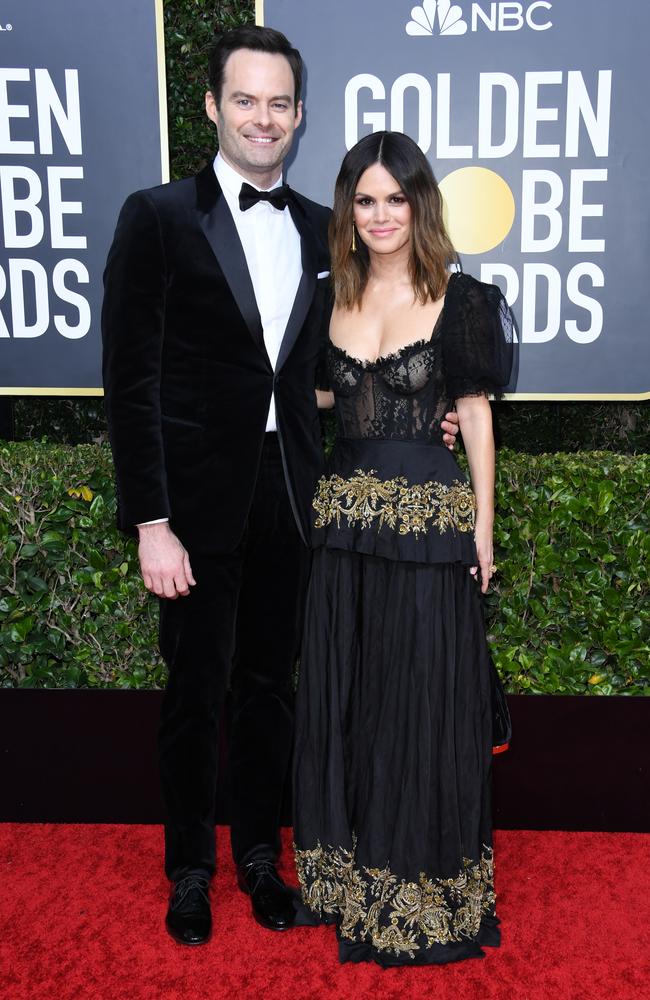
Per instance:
x=187, y=379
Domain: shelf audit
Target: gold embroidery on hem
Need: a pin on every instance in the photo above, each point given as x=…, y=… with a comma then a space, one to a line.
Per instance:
x=365, y=499
x=396, y=916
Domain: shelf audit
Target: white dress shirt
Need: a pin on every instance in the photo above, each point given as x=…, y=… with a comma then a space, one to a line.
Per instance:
x=271, y=245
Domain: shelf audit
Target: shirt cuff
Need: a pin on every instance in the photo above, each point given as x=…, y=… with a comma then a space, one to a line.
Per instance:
x=159, y=520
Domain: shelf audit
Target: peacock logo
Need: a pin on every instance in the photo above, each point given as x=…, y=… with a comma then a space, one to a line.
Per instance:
x=449, y=18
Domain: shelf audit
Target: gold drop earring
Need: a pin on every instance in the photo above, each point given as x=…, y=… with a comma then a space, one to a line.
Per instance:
x=354, y=241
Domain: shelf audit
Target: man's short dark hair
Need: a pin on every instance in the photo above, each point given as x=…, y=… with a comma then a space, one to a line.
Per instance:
x=257, y=39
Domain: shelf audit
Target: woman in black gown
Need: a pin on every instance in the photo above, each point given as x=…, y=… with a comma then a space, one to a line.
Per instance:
x=393, y=741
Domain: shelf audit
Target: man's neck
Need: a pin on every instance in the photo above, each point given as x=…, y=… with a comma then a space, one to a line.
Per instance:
x=261, y=179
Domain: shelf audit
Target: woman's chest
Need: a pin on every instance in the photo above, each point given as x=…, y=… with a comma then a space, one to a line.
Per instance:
x=415, y=370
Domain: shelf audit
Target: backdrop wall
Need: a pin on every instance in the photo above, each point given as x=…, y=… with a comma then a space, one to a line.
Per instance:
x=82, y=124
x=536, y=119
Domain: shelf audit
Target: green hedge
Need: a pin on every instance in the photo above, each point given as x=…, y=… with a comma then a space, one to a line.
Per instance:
x=573, y=548
x=72, y=608
x=570, y=614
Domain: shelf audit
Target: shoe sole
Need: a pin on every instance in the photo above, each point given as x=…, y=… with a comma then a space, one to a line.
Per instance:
x=186, y=944
x=260, y=920
x=270, y=927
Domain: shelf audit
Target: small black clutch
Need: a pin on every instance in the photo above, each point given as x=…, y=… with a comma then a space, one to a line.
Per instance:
x=501, y=724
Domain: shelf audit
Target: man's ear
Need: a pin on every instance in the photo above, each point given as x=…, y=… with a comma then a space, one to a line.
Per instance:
x=211, y=106
x=298, y=115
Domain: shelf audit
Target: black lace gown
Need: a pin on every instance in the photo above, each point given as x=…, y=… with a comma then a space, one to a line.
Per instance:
x=393, y=731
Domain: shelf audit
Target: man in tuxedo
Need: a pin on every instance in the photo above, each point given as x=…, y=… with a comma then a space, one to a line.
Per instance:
x=215, y=312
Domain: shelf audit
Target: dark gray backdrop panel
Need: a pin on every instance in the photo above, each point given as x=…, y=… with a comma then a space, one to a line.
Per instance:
x=114, y=49
x=339, y=39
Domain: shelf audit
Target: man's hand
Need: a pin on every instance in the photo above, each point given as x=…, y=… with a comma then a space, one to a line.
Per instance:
x=324, y=399
x=450, y=427
x=164, y=563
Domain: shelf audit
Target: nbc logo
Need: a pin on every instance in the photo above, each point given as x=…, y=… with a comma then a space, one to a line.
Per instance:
x=449, y=16
x=445, y=18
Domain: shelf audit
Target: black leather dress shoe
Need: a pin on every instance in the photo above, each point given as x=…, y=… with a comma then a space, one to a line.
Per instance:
x=271, y=900
x=188, y=919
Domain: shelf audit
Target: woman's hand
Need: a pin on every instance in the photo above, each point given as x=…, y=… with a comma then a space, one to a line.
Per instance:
x=485, y=553
x=476, y=427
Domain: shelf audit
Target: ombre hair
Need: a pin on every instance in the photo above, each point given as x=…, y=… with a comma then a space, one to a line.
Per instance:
x=431, y=250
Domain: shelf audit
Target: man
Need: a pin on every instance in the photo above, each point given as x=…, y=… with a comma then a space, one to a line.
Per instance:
x=214, y=316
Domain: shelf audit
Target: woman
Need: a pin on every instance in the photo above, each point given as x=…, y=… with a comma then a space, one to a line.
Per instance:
x=393, y=742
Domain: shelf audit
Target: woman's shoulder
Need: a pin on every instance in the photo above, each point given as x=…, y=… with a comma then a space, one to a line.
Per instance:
x=473, y=305
x=466, y=289
x=477, y=337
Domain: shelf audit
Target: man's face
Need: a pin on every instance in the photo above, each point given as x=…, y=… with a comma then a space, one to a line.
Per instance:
x=256, y=117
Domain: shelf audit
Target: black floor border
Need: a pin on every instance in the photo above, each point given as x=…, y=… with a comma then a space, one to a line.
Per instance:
x=90, y=757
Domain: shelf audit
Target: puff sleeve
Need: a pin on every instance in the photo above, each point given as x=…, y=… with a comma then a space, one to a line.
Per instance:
x=477, y=338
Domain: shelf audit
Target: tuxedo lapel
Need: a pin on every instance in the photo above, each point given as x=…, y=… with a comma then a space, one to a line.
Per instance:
x=307, y=284
x=219, y=227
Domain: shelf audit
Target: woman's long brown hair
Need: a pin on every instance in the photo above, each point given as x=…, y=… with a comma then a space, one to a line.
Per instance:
x=431, y=249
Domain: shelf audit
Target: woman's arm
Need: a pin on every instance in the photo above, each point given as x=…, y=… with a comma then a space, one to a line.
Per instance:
x=475, y=419
x=324, y=399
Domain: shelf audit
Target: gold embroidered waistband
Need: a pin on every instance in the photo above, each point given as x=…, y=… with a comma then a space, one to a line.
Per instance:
x=395, y=915
x=367, y=500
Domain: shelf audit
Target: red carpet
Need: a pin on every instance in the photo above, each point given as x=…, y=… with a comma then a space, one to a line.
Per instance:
x=82, y=907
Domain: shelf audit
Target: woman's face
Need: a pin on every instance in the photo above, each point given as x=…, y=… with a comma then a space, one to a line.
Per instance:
x=382, y=214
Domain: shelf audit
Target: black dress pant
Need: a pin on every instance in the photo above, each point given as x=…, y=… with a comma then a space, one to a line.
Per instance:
x=240, y=628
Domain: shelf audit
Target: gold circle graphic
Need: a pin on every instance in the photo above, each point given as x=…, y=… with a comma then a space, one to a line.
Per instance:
x=479, y=208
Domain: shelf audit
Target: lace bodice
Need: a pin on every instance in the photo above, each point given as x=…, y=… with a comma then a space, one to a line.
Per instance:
x=392, y=397
x=405, y=395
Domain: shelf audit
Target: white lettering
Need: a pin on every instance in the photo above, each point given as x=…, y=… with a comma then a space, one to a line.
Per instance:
x=9, y=111
x=18, y=268
x=510, y=17
x=444, y=149
x=423, y=88
x=530, y=334
x=377, y=119
x=49, y=105
x=578, y=211
x=12, y=206
x=531, y=209
x=490, y=21
x=591, y=305
x=67, y=295
x=533, y=114
x=4, y=330
x=538, y=25
x=579, y=107
x=487, y=83
x=507, y=16
x=59, y=207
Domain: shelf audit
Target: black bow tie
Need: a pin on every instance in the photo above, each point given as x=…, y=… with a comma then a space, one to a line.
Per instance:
x=278, y=197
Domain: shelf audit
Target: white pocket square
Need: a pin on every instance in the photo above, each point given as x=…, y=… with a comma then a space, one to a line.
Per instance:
x=322, y=274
